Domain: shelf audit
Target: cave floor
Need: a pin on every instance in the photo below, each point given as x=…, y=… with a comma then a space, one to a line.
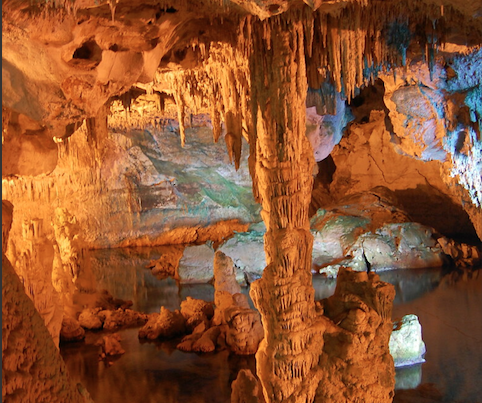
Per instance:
x=449, y=307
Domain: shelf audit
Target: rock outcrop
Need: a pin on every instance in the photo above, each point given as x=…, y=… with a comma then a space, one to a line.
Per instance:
x=71, y=330
x=243, y=329
x=228, y=323
x=32, y=368
x=366, y=231
x=356, y=362
x=165, y=325
x=406, y=344
x=249, y=64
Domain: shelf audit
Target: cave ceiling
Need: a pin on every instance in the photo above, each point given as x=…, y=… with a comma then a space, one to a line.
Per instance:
x=63, y=61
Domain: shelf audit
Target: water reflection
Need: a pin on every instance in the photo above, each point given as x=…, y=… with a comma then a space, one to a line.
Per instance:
x=411, y=284
x=452, y=331
x=408, y=377
x=150, y=372
x=449, y=308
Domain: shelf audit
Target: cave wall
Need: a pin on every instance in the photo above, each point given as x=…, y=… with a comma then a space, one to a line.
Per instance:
x=110, y=188
x=366, y=158
x=415, y=132
x=107, y=184
x=134, y=187
x=32, y=368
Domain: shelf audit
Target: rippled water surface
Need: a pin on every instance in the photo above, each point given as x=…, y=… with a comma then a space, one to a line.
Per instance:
x=449, y=307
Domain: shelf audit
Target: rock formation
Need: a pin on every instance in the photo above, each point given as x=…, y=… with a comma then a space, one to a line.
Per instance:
x=356, y=363
x=230, y=323
x=242, y=326
x=71, y=330
x=96, y=93
x=366, y=231
x=110, y=345
x=165, y=324
x=32, y=369
x=406, y=344
x=281, y=162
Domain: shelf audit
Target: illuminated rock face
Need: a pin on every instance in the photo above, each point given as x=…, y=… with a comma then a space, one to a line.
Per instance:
x=32, y=369
x=406, y=344
x=434, y=113
x=136, y=190
x=288, y=356
x=65, y=69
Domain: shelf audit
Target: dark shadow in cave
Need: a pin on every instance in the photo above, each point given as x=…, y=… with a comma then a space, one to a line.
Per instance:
x=426, y=205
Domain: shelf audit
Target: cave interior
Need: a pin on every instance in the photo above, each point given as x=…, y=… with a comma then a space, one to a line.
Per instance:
x=251, y=146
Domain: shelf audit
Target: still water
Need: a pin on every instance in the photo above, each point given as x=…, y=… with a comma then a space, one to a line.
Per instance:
x=449, y=307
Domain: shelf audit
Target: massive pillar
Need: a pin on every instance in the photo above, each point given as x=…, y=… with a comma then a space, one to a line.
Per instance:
x=281, y=165
x=338, y=352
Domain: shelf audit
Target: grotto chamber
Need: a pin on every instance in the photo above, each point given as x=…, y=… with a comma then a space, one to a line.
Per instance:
x=244, y=201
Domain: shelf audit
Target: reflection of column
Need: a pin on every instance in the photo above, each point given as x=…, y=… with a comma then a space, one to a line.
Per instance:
x=287, y=360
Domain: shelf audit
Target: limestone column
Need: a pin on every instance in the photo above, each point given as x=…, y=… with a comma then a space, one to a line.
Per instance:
x=281, y=164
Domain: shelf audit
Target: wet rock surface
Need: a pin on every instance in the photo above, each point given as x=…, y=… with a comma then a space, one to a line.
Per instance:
x=366, y=231
x=229, y=322
x=71, y=330
x=406, y=344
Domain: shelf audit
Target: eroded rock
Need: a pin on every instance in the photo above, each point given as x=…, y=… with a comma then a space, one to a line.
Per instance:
x=90, y=319
x=366, y=231
x=356, y=361
x=196, y=311
x=121, y=318
x=110, y=345
x=32, y=368
x=71, y=330
x=406, y=344
x=165, y=324
x=195, y=265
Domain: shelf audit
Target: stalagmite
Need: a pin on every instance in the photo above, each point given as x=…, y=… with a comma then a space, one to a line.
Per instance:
x=244, y=68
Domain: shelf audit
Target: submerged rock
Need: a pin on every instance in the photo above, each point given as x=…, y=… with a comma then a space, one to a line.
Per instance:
x=406, y=344
x=165, y=324
x=110, y=345
x=71, y=330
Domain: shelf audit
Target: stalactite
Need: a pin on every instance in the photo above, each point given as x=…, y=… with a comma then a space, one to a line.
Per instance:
x=356, y=42
x=181, y=114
